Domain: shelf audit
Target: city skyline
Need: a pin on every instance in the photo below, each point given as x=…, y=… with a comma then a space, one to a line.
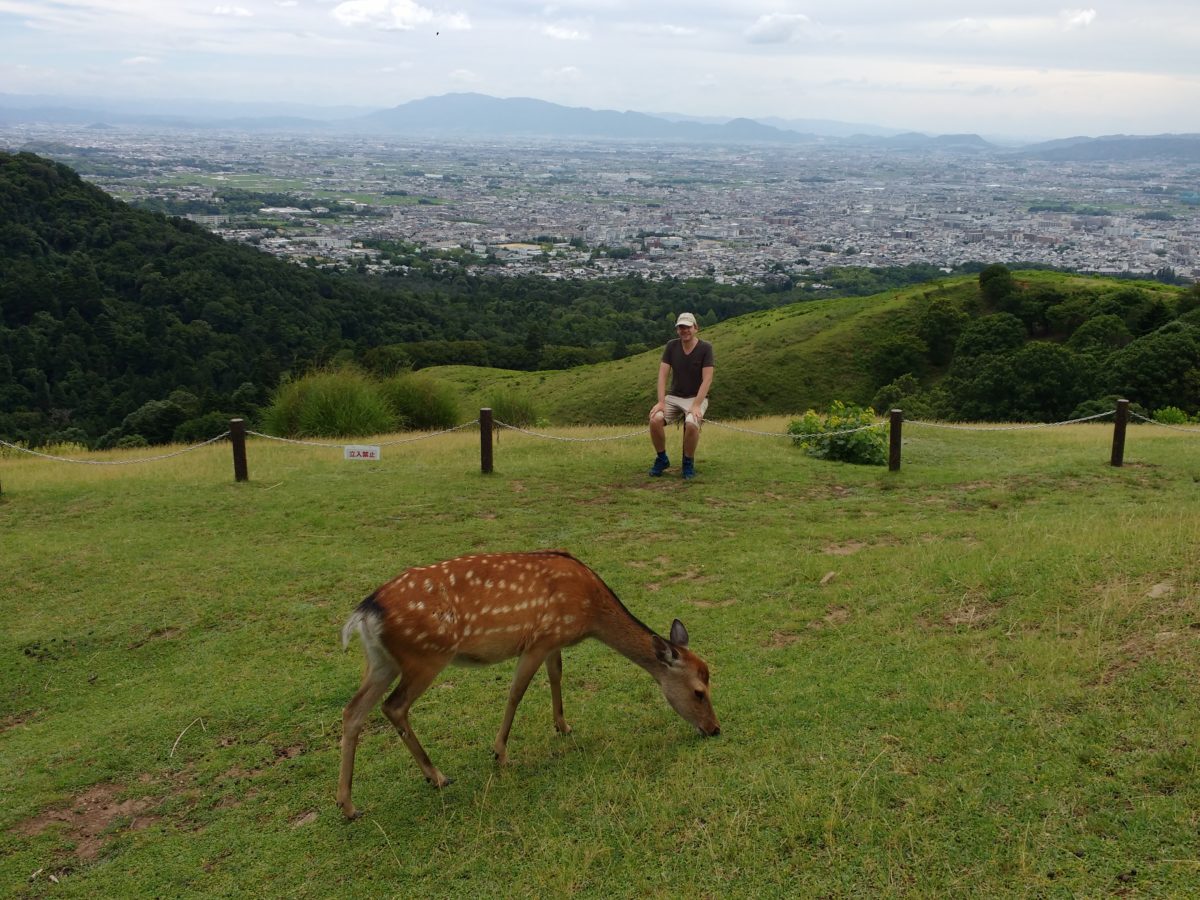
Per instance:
x=1017, y=69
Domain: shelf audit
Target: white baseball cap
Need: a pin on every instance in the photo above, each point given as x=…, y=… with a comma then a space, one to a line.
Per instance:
x=685, y=319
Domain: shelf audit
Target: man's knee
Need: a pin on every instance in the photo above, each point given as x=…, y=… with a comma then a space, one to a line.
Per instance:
x=658, y=417
x=690, y=423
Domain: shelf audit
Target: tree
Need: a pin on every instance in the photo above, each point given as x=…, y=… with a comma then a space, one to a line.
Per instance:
x=1102, y=334
x=996, y=284
x=1159, y=369
x=940, y=324
x=997, y=333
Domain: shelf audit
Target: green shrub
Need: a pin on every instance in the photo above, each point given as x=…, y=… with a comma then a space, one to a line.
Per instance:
x=513, y=408
x=1171, y=415
x=827, y=437
x=421, y=402
x=155, y=421
x=1105, y=404
x=332, y=403
x=201, y=428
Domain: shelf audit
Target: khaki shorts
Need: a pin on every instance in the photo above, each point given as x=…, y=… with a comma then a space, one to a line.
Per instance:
x=676, y=408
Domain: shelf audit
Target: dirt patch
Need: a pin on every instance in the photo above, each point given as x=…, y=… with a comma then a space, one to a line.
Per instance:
x=970, y=616
x=844, y=549
x=781, y=639
x=237, y=773
x=1160, y=590
x=834, y=616
x=517, y=487
x=93, y=818
x=712, y=604
x=1128, y=656
x=691, y=575
x=828, y=578
x=15, y=720
x=158, y=634
x=306, y=819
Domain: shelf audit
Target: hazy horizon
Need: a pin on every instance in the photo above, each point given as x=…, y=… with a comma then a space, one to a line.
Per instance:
x=1016, y=69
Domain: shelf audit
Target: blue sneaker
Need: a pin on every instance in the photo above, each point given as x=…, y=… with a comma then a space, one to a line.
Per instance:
x=661, y=464
x=689, y=467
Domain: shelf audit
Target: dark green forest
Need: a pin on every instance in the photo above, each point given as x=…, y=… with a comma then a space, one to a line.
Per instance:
x=1044, y=348
x=122, y=326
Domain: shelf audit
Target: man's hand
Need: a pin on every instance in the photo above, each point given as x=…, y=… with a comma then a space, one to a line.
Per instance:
x=657, y=408
x=698, y=412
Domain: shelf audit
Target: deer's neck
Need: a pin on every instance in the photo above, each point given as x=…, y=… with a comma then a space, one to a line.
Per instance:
x=615, y=626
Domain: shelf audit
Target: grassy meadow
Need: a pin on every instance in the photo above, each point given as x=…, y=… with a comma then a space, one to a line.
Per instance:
x=973, y=677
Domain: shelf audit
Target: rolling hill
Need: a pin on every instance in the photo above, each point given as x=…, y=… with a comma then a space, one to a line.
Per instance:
x=806, y=355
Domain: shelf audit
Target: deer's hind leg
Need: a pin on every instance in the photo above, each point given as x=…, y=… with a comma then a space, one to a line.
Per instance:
x=415, y=679
x=379, y=675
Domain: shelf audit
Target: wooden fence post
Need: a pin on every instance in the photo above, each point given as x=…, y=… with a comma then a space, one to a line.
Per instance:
x=485, y=440
x=894, y=429
x=1119, y=423
x=237, y=437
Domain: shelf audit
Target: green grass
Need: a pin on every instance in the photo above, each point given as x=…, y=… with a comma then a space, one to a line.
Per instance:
x=791, y=358
x=973, y=677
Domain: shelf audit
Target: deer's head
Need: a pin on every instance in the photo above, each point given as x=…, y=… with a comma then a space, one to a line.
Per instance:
x=683, y=677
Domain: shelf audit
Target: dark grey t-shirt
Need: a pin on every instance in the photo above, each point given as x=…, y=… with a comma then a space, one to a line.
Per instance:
x=687, y=369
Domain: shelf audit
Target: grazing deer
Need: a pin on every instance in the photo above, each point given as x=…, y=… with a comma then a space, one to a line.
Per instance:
x=478, y=610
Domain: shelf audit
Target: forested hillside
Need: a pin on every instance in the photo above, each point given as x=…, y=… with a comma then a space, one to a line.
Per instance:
x=120, y=324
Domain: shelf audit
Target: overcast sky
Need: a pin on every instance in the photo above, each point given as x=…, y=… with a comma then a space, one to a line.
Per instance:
x=1024, y=68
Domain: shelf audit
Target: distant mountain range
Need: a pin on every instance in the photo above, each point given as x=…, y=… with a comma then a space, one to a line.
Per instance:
x=469, y=115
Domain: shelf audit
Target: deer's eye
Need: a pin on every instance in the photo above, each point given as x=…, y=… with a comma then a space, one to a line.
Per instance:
x=699, y=695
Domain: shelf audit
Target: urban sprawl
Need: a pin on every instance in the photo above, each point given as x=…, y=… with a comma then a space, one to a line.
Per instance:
x=748, y=214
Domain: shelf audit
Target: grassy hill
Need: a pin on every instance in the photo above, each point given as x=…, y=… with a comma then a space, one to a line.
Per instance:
x=974, y=677
x=783, y=360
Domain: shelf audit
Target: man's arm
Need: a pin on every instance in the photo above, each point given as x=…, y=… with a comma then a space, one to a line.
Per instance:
x=664, y=369
x=706, y=377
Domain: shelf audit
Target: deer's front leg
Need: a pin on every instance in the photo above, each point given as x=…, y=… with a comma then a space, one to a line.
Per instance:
x=554, y=672
x=527, y=665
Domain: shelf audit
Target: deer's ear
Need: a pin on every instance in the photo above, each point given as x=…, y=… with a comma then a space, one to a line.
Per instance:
x=664, y=652
x=679, y=635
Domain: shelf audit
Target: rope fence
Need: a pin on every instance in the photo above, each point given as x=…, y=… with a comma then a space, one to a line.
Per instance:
x=489, y=427
x=114, y=462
